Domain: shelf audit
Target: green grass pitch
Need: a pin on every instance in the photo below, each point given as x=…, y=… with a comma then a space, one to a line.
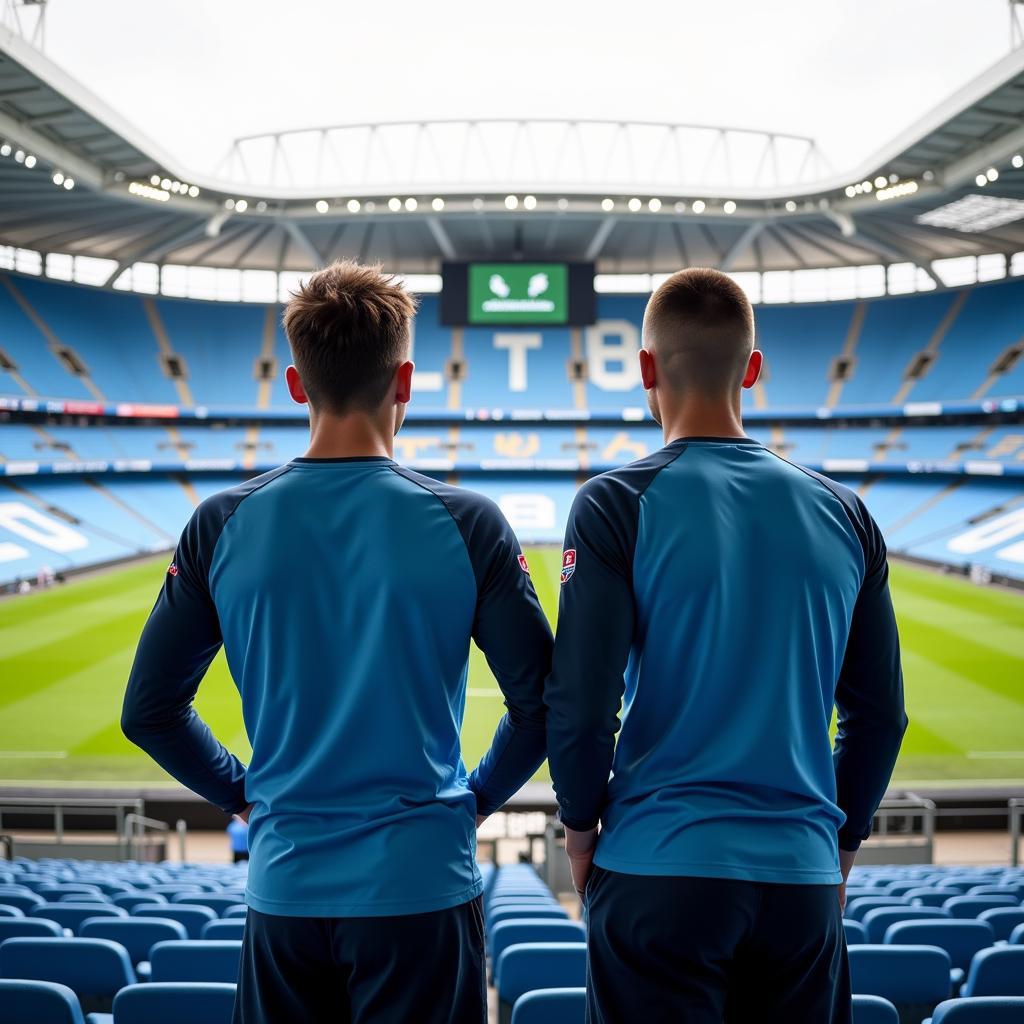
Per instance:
x=65, y=654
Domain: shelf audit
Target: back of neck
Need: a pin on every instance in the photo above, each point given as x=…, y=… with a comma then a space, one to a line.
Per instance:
x=352, y=435
x=701, y=417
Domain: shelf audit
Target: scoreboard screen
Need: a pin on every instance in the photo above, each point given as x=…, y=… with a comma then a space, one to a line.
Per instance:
x=517, y=294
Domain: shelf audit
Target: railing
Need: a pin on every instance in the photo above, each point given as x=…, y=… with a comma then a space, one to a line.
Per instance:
x=146, y=838
x=55, y=810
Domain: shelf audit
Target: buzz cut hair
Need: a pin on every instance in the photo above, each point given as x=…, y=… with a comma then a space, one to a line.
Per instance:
x=700, y=325
x=348, y=327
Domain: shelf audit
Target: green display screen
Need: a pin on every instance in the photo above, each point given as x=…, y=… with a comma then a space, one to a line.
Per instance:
x=518, y=293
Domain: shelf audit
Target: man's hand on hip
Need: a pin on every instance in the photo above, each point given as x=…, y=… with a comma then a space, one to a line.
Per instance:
x=580, y=846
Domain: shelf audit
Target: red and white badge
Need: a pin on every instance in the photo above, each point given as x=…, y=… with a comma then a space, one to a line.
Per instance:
x=523, y=565
x=172, y=569
x=568, y=564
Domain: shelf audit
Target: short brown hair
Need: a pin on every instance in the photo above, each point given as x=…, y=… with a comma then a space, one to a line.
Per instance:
x=348, y=326
x=701, y=326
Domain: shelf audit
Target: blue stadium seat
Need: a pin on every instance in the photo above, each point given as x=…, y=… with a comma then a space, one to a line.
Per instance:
x=175, y=1003
x=960, y=939
x=913, y=978
x=6, y=910
x=930, y=896
x=100, y=898
x=554, y=913
x=28, y=928
x=39, y=1002
x=95, y=969
x=855, y=932
x=874, y=1010
x=53, y=893
x=532, y=929
x=554, y=1006
x=71, y=915
x=998, y=971
x=193, y=918
x=877, y=922
x=997, y=890
x=232, y=928
x=138, y=935
x=1002, y=920
x=217, y=903
x=25, y=902
x=130, y=900
x=856, y=909
x=988, y=1010
x=538, y=965
x=972, y=906
x=236, y=910
x=1017, y=936
x=196, y=960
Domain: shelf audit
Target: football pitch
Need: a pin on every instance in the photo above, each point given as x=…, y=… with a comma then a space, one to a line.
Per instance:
x=65, y=655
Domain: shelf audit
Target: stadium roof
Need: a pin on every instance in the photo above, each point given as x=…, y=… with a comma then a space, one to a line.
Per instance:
x=950, y=185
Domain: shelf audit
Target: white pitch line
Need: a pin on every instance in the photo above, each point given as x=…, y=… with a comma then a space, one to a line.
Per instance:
x=478, y=691
x=10, y=754
x=993, y=755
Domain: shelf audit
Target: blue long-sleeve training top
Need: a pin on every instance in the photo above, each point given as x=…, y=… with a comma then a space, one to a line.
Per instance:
x=728, y=600
x=345, y=593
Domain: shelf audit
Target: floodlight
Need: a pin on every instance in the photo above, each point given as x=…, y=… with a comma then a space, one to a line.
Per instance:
x=530, y=202
x=634, y=204
x=1018, y=161
x=353, y=206
x=980, y=180
x=729, y=206
x=478, y=204
x=563, y=204
x=867, y=186
x=261, y=206
x=411, y=204
x=880, y=181
x=241, y=206
x=5, y=149
x=69, y=183
x=699, y=206
x=58, y=178
x=680, y=206
x=511, y=202
x=394, y=204
x=790, y=206
x=155, y=180
x=654, y=204
x=165, y=184
x=991, y=173
x=607, y=205
x=436, y=204
x=20, y=156
x=850, y=191
x=30, y=161
x=322, y=206
x=193, y=191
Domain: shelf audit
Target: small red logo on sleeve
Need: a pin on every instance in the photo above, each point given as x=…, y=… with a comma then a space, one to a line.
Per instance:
x=568, y=564
x=172, y=569
x=523, y=565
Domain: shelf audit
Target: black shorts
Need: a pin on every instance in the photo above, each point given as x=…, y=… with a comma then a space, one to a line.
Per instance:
x=708, y=950
x=422, y=968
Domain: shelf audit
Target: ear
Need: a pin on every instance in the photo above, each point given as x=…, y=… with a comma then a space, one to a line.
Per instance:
x=754, y=365
x=648, y=371
x=403, y=382
x=295, y=388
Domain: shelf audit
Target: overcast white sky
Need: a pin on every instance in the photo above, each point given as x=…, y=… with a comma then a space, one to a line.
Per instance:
x=194, y=74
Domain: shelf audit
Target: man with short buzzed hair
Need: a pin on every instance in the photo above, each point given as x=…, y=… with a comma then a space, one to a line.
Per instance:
x=727, y=600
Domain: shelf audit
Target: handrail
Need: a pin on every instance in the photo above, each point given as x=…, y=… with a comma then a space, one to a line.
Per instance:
x=137, y=830
x=1016, y=829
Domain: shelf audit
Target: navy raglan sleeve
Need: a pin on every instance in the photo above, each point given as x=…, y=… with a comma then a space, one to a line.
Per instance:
x=594, y=637
x=511, y=630
x=179, y=641
x=869, y=695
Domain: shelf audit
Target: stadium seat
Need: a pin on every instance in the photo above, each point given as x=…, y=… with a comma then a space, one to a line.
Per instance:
x=538, y=965
x=931, y=897
x=225, y=928
x=913, y=978
x=54, y=892
x=171, y=889
x=100, y=898
x=996, y=890
x=1002, y=920
x=532, y=929
x=855, y=932
x=175, y=1003
x=130, y=900
x=987, y=1010
x=26, y=903
x=28, y=928
x=1017, y=936
x=876, y=922
x=998, y=971
x=95, y=969
x=960, y=939
x=217, y=903
x=71, y=915
x=193, y=918
x=236, y=910
x=554, y=913
x=6, y=910
x=874, y=1010
x=972, y=906
x=38, y=1002
x=856, y=909
x=554, y=1006
x=138, y=935
x=196, y=960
